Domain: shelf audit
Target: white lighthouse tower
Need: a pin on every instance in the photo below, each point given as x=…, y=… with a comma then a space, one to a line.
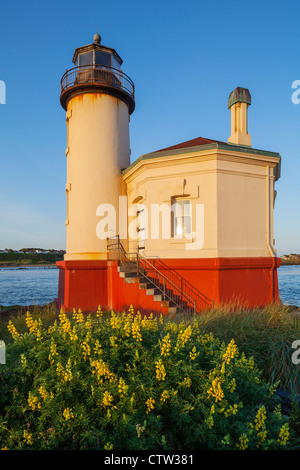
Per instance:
x=98, y=99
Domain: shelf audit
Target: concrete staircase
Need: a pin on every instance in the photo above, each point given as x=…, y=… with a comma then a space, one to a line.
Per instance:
x=166, y=297
x=164, y=284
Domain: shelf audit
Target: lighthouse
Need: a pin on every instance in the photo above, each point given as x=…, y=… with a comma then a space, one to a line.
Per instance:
x=98, y=98
x=198, y=228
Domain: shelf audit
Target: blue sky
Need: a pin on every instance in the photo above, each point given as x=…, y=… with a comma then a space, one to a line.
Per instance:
x=184, y=56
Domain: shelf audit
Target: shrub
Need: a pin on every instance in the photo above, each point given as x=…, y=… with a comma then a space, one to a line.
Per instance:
x=123, y=381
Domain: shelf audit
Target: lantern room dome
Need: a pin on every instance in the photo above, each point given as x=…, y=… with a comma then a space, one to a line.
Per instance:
x=97, y=69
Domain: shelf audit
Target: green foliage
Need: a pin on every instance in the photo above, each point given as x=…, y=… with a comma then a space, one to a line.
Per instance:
x=123, y=381
x=266, y=334
x=12, y=258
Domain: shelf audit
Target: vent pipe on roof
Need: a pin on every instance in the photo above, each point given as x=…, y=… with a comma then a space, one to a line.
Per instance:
x=238, y=103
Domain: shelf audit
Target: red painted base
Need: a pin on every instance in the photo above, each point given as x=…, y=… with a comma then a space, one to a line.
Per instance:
x=249, y=282
x=82, y=284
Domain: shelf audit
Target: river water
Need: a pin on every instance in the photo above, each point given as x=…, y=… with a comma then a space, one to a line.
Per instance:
x=38, y=285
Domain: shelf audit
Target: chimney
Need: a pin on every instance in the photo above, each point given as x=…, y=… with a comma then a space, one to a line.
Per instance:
x=238, y=103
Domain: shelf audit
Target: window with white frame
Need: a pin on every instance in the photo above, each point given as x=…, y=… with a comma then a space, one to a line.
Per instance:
x=181, y=217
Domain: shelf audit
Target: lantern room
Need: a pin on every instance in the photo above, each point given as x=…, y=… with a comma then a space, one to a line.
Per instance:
x=97, y=55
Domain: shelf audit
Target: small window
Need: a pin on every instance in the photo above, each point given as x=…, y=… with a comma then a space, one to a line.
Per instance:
x=115, y=63
x=86, y=58
x=102, y=58
x=181, y=217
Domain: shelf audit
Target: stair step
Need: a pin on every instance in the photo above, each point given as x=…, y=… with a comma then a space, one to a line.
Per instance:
x=146, y=285
x=127, y=274
x=131, y=280
x=158, y=297
x=153, y=291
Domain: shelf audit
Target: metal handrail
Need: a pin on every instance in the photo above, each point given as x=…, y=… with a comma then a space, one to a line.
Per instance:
x=97, y=74
x=185, y=290
x=164, y=278
x=181, y=279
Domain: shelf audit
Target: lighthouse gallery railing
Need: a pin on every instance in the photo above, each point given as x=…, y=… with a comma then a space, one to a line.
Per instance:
x=97, y=74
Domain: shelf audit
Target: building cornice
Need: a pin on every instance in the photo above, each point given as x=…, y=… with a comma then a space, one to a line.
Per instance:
x=218, y=151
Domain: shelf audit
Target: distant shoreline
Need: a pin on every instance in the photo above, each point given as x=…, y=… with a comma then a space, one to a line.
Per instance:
x=24, y=266
x=290, y=262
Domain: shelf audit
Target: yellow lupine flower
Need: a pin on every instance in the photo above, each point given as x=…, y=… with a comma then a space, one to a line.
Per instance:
x=127, y=327
x=216, y=390
x=226, y=440
x=193, y=354
x=44, y=394
x=78, y=317
x=284, y=434
x=131, y=310
x=260, y=418
x=166, y=346
x=65, y=324
x=183, y=337
x=73, y=334
x=149, y=323
x=136, y=331
x=68, y=376
x=13, y=331
x=97, y=348
x=27, y=437
x=115, y=321
x=187, y=382
x=86, y=350
x=108, y=446
x=53, y=353
x=33, y=402
x=232, y=385
x=260, y=425
x=107, y=399
x=160, y=370
x=231, y=351
x=242, y=444
x=164, y=396
x=99, y=312
x=150, y=404
x=34, y=326
x=122, y=387
x=232, y=410
x=68, y=414
x=52, y=328
x=65, y=374
x=100, y=369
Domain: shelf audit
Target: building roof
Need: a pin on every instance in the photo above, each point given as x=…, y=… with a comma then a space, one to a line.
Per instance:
x=201, y=144
x=191, y=143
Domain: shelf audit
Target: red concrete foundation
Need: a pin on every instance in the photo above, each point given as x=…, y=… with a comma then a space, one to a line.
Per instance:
x=249, y=282
x=82, y=284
